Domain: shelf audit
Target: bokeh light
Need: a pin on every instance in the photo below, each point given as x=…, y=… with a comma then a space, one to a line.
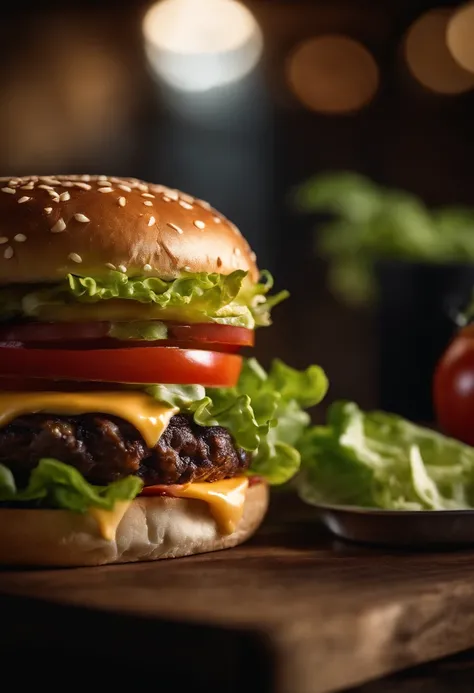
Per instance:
x=428, y=56
x=460, y=36
x=333, y=74
x=197, y=45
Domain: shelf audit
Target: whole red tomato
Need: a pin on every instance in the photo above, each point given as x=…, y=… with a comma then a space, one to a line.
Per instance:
x=453, y=387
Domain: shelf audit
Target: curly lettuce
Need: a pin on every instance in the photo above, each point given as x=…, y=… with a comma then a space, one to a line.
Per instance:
x=53, y=484
x=193, y=297
x=264, y=412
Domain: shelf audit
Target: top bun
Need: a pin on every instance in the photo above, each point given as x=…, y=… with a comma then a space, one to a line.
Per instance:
x=51, y=226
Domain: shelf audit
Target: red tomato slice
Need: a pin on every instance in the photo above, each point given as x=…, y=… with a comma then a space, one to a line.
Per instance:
x=140, y=365
x=212, y=333
x=207, y=333
x=108, y=343
x=53, y=331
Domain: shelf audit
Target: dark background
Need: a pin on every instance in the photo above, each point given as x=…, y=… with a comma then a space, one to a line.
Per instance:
x=78, y=95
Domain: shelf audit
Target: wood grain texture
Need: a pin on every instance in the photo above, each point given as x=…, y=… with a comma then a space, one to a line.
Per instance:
x=455, y=673
x=314, y=614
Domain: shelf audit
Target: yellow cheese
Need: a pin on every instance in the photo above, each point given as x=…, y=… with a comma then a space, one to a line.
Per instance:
x=225, y=498
x=109, y=520
x=147, y=415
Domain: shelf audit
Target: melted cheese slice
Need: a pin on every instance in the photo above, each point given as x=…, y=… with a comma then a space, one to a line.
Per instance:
x=225, y=498
x=109, y=520
x=148, y=416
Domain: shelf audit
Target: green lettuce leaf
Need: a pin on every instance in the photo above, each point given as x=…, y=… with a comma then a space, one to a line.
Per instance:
x=263, y=412
x=381, y=460
x=200, y=297
x=56, y=485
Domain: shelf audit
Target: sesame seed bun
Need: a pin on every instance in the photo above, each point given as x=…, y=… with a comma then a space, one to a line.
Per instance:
x=51, y=226
x=152, y=528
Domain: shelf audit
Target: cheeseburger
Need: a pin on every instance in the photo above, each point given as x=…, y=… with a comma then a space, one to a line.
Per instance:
x=131, y=426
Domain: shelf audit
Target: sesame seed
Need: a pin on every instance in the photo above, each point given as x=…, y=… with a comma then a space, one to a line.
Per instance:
x=122, y=268
x=237, y=251
x=3, y=239
x=235, y=229
x=65, y=196
x=48, y=210
x=187, y=268
x=151, y=221
x=19, y=238
x=147, y=267
x=54, y=195
x=29, y=186
x=204, y=204
x=166, y=199
x=105, y=190
x=59, y=226
x=83, y=186
x=14, y=182
x=110, y=265
x=50, y=181
x=67, y=184
x=147, y=195
x=173, y=194
x=148, y=203
x=9, y=190
x=45, y=187
x=8, y=253
x=142, y=187
x=23, y=199
x=85, y=177
x=174, y=227
x=125, y=188
x=185, y=205
x=216, y=220
x=199, y=224
x=187, y=198
x=253, y=257
x=122, y=201
x=82, y=218
x=102, y=178
x=75, y=257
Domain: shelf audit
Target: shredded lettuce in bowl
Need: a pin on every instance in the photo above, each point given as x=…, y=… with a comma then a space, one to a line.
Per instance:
x=381, y=460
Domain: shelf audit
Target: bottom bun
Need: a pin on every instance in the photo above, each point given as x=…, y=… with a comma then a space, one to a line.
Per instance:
x=152, y=528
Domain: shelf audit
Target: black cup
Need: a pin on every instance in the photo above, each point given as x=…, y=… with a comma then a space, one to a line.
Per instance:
x=417, y=310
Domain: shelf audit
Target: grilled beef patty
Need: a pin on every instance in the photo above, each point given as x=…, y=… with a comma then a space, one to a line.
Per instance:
x=105, y=448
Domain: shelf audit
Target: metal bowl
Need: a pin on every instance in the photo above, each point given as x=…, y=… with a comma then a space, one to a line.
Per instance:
x=400, y=528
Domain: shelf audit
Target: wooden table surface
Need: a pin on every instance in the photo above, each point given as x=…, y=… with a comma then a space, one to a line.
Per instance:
x=293, y=611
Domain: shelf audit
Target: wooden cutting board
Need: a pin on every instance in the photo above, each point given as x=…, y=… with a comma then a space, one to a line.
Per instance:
x=292, y=611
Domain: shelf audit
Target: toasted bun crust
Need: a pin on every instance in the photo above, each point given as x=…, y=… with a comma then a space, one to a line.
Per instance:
x=87, y=225
x=152, y=528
